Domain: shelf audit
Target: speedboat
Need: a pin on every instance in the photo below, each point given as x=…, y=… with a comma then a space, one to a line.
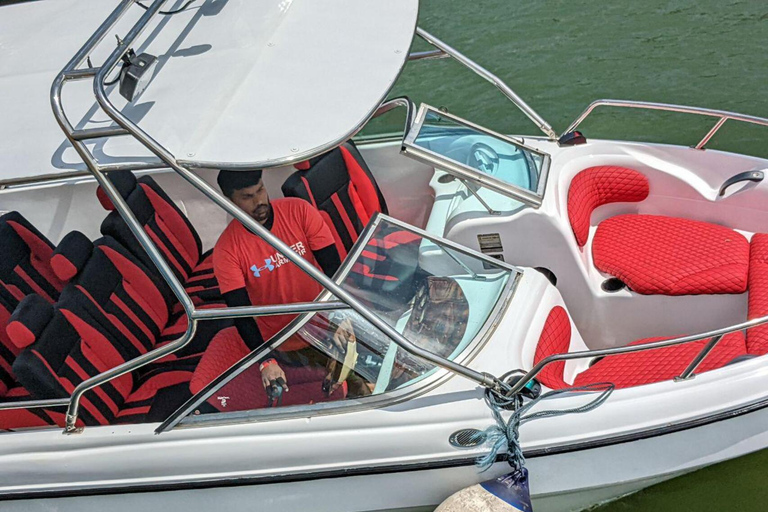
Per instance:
x=474, y=262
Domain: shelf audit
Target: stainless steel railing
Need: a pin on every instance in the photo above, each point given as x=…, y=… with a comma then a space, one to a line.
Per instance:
x=483, y=73
x=721, y=115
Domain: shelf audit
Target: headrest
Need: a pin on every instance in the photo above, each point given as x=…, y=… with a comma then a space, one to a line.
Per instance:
x=29, y=320
x=71, y=255
x=124, y=182
x=327, y=176
x=36, y=242
x=307, y=164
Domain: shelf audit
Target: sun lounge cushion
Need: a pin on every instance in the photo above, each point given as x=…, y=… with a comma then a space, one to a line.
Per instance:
x=671, y=256
x=757, y=337
x=601, y=185
x=647, y=367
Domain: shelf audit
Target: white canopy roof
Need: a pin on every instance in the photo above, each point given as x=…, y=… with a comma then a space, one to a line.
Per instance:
x=240, y=83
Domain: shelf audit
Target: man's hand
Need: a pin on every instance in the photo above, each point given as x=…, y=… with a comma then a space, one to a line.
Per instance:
x=273, y=372
x=344, y=334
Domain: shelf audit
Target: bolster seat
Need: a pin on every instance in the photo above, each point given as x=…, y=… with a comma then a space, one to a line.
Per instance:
x=132, y=304
x=341, y=186
x=64, y=345
x=25, y=269
x=170, y=230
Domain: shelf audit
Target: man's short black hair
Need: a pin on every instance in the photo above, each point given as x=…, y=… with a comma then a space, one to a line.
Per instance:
x=230, y=181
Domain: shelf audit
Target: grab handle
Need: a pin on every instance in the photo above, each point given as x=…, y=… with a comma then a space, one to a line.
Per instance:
x=756, y=176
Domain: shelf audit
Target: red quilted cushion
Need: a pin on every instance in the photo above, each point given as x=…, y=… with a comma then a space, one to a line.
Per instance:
x=601, y=185
x=662, y=364
x=757, y=337
x=555, y=339
x=671, y=256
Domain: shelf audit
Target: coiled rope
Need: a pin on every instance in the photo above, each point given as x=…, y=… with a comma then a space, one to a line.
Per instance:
x=507, y=433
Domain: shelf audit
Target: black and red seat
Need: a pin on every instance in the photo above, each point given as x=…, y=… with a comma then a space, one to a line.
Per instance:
x=170, y=230
x=24, y=269
x=654, y=254
x=65, y=346
x=341, y=186
x=129, y=302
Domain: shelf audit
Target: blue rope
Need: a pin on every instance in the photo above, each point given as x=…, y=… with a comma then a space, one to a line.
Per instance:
x=507, y=433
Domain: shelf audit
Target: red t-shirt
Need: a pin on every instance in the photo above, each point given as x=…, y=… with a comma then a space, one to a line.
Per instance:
x=243, y=259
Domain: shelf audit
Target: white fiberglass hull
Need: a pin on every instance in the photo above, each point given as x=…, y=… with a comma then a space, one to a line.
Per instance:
x=567, y=481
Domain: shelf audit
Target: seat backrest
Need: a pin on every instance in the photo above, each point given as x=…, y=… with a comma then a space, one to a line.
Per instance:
x=129, y=303
x=24, y=269
x=757, y=337
x=165, y=223
x=341, y=186
x=601, y=185
x=25, y=256
x=64, y=346
x=8, y=350
x=555, y=339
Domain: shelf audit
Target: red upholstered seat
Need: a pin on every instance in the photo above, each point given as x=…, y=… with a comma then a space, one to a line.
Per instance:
x=246, y=391
x=757, y=337
x=132, y=304
x=341, y=186
x=671, y=256
x=25, y=268
x=647, y=367
x=169, y=229
x=633, y=369
x=555, y=339
x=601, y=185
x=65, y=345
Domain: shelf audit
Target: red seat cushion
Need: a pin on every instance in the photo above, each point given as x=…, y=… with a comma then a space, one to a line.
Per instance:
x=601, y=185
x=757, y=337
x=647, y=367
x=671, y=256
x=246, y=391
x=555, y=339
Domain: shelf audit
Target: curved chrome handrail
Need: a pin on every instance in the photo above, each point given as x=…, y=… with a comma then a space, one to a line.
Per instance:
x=401, y=101
x=490, y=77
x=716, y=335
x=723, y=115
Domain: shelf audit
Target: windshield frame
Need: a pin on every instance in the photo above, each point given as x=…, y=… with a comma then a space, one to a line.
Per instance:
x=464, y=172
x=184, y=416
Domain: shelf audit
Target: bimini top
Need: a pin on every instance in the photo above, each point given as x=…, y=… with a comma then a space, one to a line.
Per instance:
x=240, y=83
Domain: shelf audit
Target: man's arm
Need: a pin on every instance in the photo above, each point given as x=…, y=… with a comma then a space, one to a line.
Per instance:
x=246, y=327
x=329, y=260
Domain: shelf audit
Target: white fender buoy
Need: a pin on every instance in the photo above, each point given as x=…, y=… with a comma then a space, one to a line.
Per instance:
x=508, y=493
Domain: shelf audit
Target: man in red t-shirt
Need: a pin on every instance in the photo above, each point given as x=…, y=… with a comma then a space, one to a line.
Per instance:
x=252, y=272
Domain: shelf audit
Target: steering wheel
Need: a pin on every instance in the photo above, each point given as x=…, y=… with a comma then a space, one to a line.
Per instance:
x=483, y=157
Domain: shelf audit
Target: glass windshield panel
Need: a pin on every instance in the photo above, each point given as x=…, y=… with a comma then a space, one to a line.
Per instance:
x=477, y=150
x=438, y=297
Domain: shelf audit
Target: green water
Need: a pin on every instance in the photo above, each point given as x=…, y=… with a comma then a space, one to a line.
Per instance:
x=561, y=55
